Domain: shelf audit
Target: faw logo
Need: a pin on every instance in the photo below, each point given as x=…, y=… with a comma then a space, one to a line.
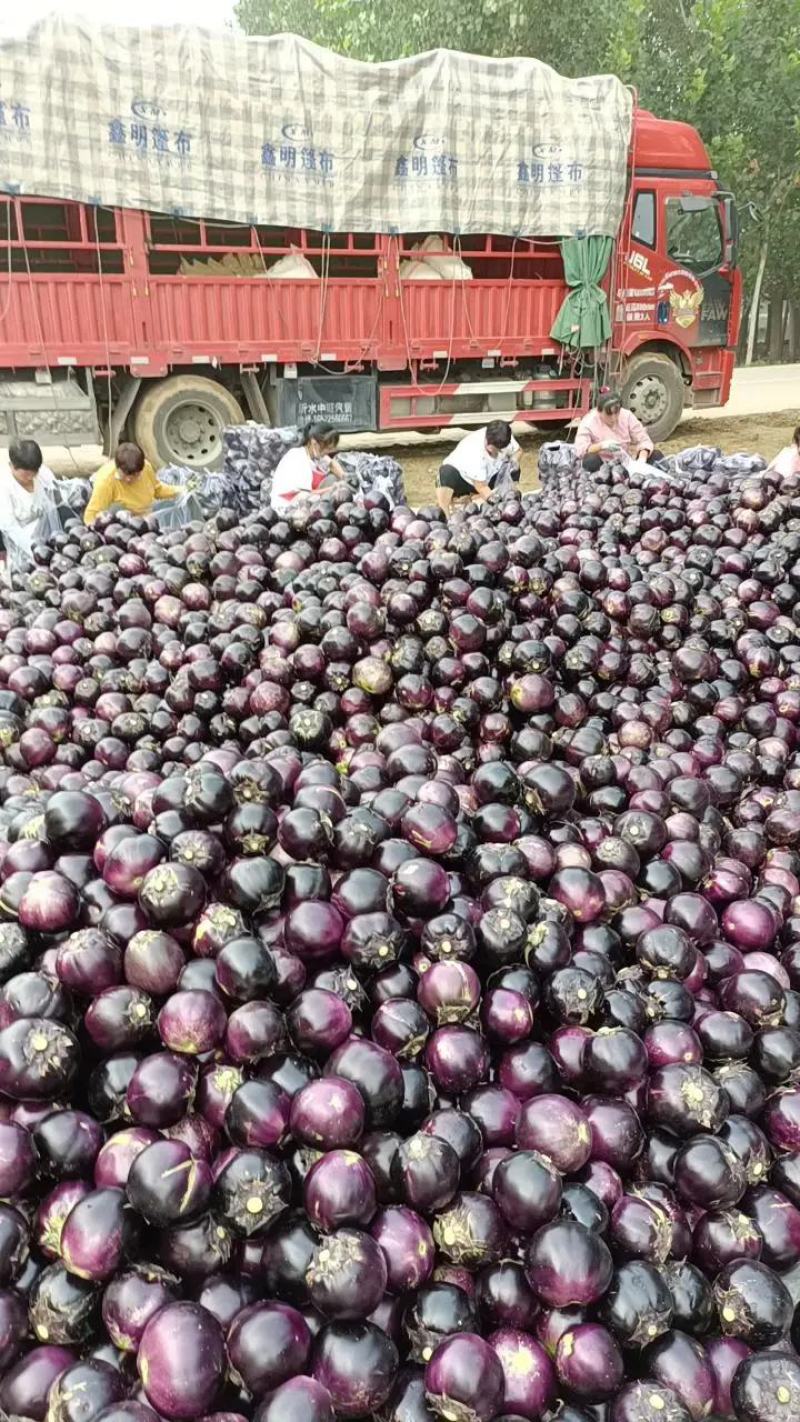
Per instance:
x=685, y=296
x=685, y=306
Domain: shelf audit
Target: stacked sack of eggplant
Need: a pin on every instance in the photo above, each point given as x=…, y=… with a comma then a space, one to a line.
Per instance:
x=373, y=474
x=251, y=454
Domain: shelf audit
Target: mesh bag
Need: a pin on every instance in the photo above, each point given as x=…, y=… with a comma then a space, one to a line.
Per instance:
x=74, y=494
x=251, y=454
x=740, y=464
x=558, y=457
x=177, y=512
x=698, y=458
x=375, y=474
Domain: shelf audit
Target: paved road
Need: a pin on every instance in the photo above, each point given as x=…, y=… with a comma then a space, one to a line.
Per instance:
x=759, y=390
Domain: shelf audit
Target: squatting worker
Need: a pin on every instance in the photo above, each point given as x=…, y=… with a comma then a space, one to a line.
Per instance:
x=127, y=481
x=309, y=468
x=29, y=505
x=787, y=460
x=473, y=466
x=610, y=429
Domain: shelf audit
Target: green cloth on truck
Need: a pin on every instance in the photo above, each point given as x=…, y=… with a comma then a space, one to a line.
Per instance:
x=584, y=318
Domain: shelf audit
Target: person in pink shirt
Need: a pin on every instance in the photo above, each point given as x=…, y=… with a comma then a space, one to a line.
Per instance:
x=607, y=430
x=787, y=461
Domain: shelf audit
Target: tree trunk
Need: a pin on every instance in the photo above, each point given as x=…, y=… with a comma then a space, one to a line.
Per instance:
x=794, y=330
x=755, y=307
x=775, y=331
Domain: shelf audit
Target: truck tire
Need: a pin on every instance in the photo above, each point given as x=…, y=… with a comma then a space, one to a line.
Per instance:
x=653, y=391
x=179, y=420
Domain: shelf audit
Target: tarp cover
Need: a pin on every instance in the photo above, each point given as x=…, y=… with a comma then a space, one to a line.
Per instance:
x=276, y=130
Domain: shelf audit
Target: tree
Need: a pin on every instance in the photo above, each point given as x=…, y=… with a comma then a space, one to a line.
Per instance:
x=561, y=35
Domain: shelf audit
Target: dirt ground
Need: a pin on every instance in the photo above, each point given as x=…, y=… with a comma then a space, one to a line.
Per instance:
x=764, y=434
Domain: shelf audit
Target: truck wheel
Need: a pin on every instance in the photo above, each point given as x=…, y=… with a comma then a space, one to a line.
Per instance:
x=653, y=391
x=180, y=420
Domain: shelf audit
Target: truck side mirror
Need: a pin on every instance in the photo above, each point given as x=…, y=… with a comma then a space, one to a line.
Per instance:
x=690, y=202
x=731, y=229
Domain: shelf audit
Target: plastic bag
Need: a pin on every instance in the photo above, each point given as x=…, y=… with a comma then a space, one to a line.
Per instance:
x=74, y=494
x=21, y=539
x=699, y=457
x=503, y=481
x=295, y=267
x=557, y=457
x=181, y=474
x=251, y=454
x=375, y=474
x=177, y=512
x=419, y=271
x=740, y=464
x=435, y=252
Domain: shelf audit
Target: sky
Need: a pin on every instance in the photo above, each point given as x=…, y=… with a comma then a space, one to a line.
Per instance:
x=209, y=14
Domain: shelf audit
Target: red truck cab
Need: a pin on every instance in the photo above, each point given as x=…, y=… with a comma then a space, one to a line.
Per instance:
x=170, y=328
x=678, y=288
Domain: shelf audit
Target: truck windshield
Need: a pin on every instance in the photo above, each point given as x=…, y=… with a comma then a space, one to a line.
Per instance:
x=694, y=239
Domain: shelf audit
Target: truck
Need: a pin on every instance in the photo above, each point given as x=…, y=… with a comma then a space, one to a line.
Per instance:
x=166, y=327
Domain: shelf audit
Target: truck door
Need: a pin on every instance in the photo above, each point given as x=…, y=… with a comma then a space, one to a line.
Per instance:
x=699, y=238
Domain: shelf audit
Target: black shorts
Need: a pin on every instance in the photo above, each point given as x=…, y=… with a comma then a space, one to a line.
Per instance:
x=449, y=478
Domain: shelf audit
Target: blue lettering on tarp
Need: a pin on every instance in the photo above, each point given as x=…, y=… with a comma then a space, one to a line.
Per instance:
x=553, y=174
x=160, y=139
x=183, y=143
x=147, y=109
x=15, y=118
x=116, y=132
x=422, y=165
x=308, y=160
x=139, y=135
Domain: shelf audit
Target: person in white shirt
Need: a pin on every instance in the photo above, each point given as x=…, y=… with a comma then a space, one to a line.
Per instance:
x=308, y=469
x=787, y=460
x=29, y=504
x=475, y=463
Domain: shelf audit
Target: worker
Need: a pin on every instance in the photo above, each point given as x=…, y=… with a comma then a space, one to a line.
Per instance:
x=30, y=509
x=787, y=460
x=473, y=468
x=609, y=430
x=308, y=468
x=127, y=481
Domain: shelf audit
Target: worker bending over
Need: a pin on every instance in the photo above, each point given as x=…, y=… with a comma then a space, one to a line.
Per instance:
x=609, y=430
x=473, y=468
x=309, y=468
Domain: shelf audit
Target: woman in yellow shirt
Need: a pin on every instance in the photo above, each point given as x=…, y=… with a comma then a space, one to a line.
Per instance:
x=128, y=481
